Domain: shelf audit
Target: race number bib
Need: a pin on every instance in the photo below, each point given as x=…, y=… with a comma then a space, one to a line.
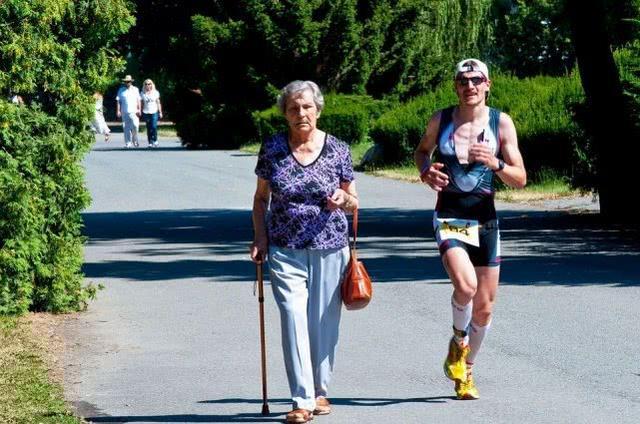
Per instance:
x=466, y=230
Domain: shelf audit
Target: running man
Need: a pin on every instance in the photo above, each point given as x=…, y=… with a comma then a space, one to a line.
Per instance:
x=461, y=151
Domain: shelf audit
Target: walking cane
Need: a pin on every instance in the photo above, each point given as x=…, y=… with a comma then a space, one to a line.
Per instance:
x=263, y=348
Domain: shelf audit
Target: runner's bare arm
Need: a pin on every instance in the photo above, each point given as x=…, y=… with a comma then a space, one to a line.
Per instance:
x=514, y=174
x=430, y=173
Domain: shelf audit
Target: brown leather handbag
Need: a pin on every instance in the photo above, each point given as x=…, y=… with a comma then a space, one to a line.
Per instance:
x=356, y=283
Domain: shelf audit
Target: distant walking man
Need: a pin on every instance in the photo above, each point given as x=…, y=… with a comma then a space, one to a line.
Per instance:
x=129, y=107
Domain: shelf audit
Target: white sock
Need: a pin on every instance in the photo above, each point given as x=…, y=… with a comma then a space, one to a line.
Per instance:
x=477, y=334
x=461, y=319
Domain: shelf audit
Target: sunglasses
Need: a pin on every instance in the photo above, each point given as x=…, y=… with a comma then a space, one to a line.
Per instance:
x=463, y=81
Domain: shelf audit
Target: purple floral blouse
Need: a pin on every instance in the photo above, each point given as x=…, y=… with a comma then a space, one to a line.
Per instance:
x=298, y=215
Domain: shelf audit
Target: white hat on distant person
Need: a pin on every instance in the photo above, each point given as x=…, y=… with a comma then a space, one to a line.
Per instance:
x=127, y=78
x=472, y=65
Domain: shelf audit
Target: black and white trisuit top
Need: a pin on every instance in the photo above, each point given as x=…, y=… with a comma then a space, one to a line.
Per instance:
x=470, y=192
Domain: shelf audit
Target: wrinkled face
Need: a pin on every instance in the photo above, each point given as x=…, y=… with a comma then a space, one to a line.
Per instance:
x=301, y=112
x=471, y=87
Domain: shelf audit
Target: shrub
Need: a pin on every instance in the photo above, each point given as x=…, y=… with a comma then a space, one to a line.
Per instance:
x=267, y=122
x=54, y=54
x=628, y=62
x=544, y=112
x=42, y=189
x=398, y=131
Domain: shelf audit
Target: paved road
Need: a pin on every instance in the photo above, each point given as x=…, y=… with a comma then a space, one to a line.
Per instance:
x=173, y=337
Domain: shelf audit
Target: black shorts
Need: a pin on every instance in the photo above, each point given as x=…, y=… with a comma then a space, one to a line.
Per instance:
x=488, y=251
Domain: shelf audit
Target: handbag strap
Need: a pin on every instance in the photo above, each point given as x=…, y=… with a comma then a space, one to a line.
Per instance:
x=355, y=228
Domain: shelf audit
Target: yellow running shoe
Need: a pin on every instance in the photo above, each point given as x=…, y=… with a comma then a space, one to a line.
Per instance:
x=455, y=366
x=467, y=390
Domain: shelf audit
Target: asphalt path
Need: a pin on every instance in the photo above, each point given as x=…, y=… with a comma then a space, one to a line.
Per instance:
x=173, y=337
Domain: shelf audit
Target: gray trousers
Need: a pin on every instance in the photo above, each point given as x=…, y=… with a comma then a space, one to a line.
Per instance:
x=130, y=124
x=306, y=287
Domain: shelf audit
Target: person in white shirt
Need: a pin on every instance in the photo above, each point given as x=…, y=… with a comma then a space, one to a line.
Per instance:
x=128, y=107
x=16, y=99
x=151, y=111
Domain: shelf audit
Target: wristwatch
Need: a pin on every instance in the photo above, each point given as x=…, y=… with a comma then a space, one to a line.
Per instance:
x=501, y=165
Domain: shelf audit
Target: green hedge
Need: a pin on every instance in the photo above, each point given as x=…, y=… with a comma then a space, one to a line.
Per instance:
x=54, y=54
x=229, y=129
x=41, y=196
x=348, y=117
x=544, y=112
x=542, y=109
x=398, y=131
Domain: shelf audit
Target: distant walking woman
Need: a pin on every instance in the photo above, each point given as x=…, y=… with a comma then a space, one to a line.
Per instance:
x=98, y=124
x=473, y=144
x=306, y=176
x=151, y=111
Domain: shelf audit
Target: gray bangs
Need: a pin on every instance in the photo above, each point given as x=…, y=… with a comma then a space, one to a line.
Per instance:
x=299, y=86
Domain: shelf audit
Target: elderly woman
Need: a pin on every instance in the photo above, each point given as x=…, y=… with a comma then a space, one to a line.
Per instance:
x=306, y=177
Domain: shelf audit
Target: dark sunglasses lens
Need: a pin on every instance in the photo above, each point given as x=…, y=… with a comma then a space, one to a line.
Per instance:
x=474, y=80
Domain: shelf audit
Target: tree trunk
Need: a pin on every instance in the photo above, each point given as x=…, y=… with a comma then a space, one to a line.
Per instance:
x=615, y=139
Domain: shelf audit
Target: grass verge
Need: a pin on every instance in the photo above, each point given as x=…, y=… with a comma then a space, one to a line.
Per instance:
x=253, y=148
x=544, y=185
x=167, y=131
x=27, y=394
x=164, y=130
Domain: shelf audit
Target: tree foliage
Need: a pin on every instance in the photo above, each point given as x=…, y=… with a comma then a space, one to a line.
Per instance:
x=54, y=54
x=351, y=46
x=240, y=53
x=628, y=62
x=534, y=37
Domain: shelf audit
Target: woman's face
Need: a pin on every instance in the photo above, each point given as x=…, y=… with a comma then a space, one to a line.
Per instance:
x=301, y=112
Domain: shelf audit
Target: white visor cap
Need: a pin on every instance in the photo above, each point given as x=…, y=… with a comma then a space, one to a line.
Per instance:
x=472, y=65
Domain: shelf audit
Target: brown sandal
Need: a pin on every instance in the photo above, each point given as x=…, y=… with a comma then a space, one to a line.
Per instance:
x=299, y=416
x=323, y=407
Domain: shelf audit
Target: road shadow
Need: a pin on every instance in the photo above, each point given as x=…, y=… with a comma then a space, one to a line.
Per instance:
x=396, y=245
x=350, y=401
x=143, y=146
x=188, y=418
x=94, y=415
x=190, y=244
x=568, y=249
x=117, y=128
x=258, y=417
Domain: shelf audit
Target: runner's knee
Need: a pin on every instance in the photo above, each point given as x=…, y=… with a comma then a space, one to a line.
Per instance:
x=482, y=314
x=464, y=293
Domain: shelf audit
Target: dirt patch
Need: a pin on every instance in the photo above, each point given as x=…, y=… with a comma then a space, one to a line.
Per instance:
x=47, y=331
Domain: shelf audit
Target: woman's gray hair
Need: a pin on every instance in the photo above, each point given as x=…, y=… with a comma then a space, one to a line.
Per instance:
x=297, y=87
